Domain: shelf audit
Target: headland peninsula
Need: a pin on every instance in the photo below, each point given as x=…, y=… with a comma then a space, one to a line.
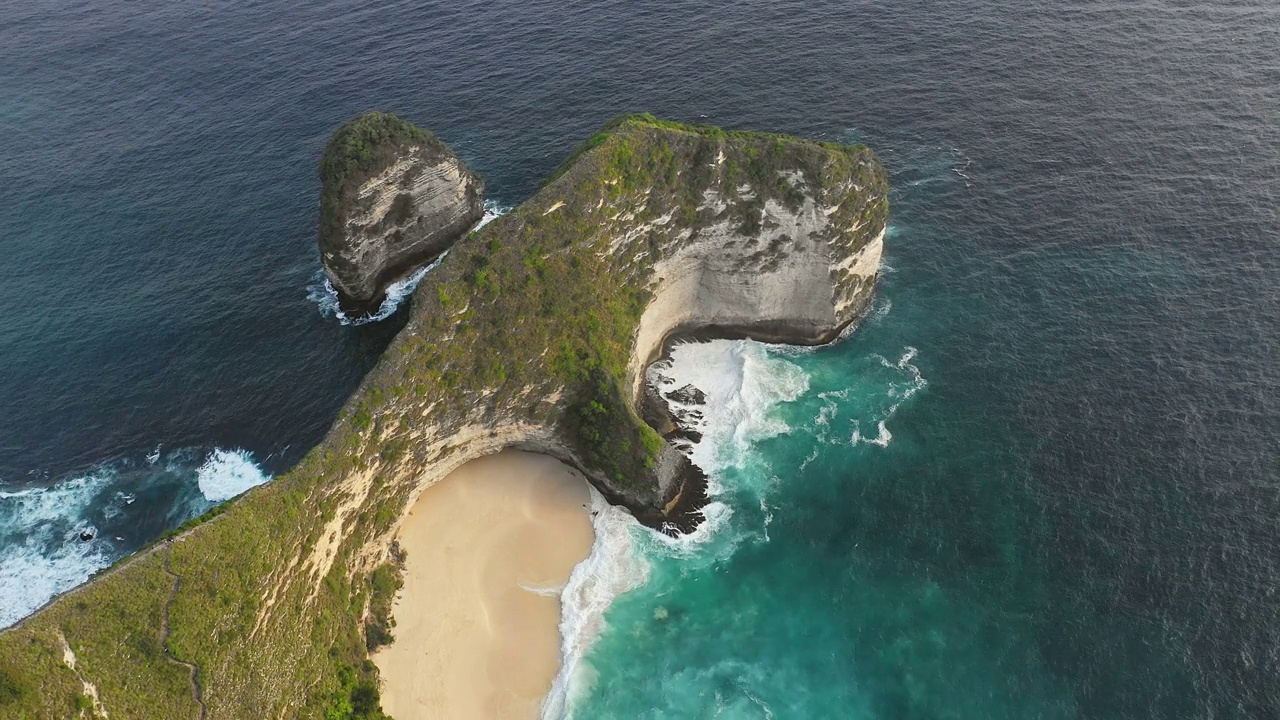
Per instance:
x=532, y=334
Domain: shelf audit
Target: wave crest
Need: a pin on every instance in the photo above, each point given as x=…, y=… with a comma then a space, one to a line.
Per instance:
x=227, y=473
x=56, y=537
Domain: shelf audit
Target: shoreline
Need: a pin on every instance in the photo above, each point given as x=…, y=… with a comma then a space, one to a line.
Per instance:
x=488, y=551
x=682, y=513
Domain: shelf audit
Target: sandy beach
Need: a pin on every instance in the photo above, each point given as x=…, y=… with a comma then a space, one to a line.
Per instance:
x=489, y=548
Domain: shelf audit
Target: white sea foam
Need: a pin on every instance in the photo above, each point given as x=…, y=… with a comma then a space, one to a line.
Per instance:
x=882, y=438
x=543, y=591
x=767, y=512
x=227, y=473
x=742, y=383
x=813, y=455
x=916, y=381
x=41, y=553
x=323, y=294
x=715, y=517
x=613, y=567
x=883, y=400
x=880, y=309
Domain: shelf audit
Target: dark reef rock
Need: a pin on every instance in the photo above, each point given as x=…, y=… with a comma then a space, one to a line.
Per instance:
x=393, y=197
x=688, y=395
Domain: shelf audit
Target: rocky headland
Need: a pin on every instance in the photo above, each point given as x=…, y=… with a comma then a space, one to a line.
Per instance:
x=392, y=196
x=533, y=334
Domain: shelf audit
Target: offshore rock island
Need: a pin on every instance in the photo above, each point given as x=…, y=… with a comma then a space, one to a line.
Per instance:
x=534, y=334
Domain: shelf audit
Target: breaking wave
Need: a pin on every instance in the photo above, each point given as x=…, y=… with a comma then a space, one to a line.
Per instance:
x=41, y=553
x=227, y=473
x=54, y=538
x=612, y=568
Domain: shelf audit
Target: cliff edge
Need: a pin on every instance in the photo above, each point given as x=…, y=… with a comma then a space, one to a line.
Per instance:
x=392, y=196
x=533, y=333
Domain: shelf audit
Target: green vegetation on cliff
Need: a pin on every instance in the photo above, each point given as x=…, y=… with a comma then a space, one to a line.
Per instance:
x=384, y=583
x=357, y=151
x=523, y=334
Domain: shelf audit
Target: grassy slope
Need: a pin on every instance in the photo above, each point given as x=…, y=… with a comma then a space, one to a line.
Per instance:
x=532, y=318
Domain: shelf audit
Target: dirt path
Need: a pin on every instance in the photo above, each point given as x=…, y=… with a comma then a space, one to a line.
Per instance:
x=193, y=670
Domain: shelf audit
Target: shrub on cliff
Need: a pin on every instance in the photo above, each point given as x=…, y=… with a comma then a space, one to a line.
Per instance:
x=384, y=583
x=357, y=697
x=10, y=686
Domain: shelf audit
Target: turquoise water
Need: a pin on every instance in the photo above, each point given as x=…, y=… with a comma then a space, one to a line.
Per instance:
x=859, y=575
x=887, y=551
x=1073, y=513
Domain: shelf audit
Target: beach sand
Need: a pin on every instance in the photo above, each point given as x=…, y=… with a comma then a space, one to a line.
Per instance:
x=477, y=622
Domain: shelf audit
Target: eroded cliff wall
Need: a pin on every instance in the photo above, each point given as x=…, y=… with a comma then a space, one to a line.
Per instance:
x=804, y=274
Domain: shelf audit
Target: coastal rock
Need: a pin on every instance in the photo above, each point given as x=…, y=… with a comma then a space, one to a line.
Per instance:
x=393, y=196
x=797, y=268
x=688, y=395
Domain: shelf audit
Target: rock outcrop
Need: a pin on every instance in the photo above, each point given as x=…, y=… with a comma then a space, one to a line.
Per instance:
x=533, y=333
x=790, y=269
x=393, y=196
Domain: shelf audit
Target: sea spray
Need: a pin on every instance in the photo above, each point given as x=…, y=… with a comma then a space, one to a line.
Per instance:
x=54, y=538
x=227, y=473
x=41, y=553
x=741, y=384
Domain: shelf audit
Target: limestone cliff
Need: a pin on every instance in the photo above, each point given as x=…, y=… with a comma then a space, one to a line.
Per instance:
x=533, y=333
x=393, y=196
x=790, y=269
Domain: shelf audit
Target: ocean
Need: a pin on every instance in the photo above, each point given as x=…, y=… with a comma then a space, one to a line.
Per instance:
x=1040, y=480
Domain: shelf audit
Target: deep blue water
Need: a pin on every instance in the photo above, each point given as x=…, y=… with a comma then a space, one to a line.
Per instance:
x=1075, y=515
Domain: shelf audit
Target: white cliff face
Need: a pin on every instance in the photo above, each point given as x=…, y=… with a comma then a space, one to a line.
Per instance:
x=800, y=279
x=404, y=216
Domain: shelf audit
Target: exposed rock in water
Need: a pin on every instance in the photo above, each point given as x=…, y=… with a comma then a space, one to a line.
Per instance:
x=393, y=196
x=688, y=395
